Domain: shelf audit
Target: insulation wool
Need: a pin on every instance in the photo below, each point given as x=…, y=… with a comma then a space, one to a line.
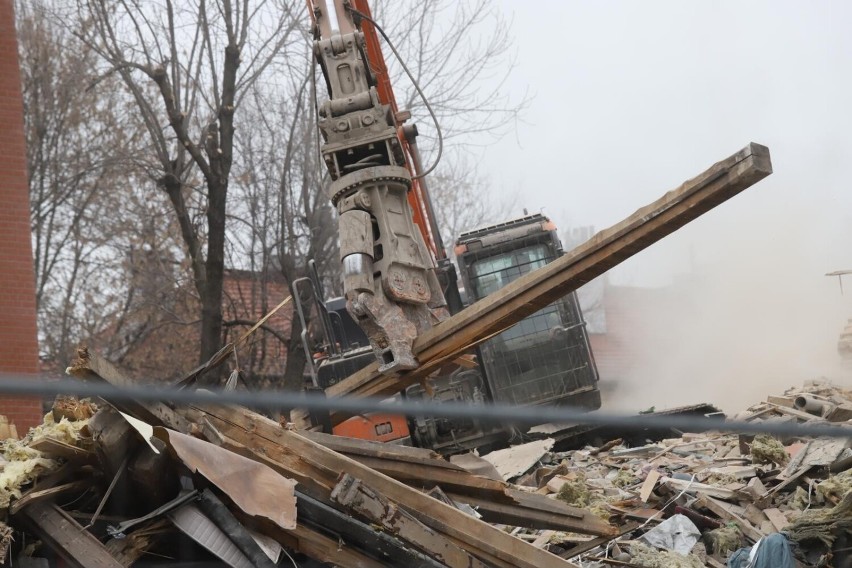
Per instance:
x=22, y=466
x=25, y=464
x=577, y=494
x=64, y=431
x=724, y=540
x=766, y=449
x=649, y=557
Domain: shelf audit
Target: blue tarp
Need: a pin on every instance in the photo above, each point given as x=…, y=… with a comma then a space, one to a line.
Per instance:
x=771, y=551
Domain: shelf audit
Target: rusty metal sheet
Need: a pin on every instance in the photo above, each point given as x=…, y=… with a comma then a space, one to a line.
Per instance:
x=253, y=487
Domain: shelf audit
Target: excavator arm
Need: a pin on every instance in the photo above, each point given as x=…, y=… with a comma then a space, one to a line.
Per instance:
x=389, y=277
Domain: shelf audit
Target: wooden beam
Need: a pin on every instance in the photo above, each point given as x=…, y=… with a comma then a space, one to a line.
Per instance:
x=37, y=495
x=368, y=448
x=522, y=515
x=304, y=459
x=60, y=449
x=363, y=500
x=63, y=534
x=91, y=366
x=541, y=287
x=425, y=476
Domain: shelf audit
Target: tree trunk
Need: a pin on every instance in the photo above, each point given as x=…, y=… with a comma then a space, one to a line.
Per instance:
x=211, y=299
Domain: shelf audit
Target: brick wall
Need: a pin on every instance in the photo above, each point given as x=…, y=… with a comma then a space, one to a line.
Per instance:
x=246, y=299
x=18, y=335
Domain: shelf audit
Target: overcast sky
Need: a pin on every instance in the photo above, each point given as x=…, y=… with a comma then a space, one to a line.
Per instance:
x=632, y=98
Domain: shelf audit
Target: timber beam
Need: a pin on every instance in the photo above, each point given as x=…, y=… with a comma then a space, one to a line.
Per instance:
x=537, y=289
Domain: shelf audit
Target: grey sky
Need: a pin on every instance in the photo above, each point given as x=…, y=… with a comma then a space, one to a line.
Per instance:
x=631, y=98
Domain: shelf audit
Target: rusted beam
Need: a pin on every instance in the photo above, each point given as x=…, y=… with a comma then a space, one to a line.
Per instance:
x=539, y=288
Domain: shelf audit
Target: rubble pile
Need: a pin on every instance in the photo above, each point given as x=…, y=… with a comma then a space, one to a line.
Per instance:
x=154, y=484
x=727, y=492
x=118, y=484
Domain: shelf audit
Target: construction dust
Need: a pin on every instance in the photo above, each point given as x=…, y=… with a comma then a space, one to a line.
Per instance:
x=749, y=311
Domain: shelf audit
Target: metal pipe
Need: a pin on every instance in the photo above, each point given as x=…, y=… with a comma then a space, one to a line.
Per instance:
x=300, y=311
x=809, y=404
x=410, y=132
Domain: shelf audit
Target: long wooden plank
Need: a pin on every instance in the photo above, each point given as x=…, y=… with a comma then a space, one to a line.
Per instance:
x=78, y=547
x=530, y=517
x=539, y=288
x=369, y=448
x=307, y=459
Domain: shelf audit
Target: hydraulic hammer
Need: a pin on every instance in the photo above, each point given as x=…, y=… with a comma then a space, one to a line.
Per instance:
x=389, y=278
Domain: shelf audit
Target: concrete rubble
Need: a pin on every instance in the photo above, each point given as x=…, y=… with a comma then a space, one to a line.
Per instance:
x=118, y=484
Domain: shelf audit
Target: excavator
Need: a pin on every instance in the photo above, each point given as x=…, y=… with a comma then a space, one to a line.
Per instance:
x=398, y=280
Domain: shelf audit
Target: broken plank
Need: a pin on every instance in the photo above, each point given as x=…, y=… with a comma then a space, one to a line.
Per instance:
x=543, y=539
x=38, y=495
x=795, y=412
x=363, y=500
x=787, y=401
x=648, y=485
x=91, y=366
x=725, y=512
x=59, y=449
x=788, y=483
x=704, y=489
x=600, y=541
x=777, y=518
x=541, y=287
x=310, y=460
x=77, y=546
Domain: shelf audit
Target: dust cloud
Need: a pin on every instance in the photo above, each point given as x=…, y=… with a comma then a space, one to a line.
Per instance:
x=749, y=313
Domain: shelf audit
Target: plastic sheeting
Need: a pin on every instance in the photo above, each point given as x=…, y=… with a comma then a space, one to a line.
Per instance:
x=676, y=533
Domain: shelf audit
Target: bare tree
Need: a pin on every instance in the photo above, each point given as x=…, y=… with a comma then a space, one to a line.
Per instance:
x=187, y=67
x=74, y=144
x=213, y=162
x=460, y=53
x=285, y=216
x=464, y=201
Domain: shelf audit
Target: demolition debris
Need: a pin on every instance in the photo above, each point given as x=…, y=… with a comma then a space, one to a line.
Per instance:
x=110, y=483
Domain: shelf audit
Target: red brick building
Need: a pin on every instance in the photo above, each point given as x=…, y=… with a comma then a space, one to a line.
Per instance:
x=18, y=331
x=167, y=348
x=246, y=299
